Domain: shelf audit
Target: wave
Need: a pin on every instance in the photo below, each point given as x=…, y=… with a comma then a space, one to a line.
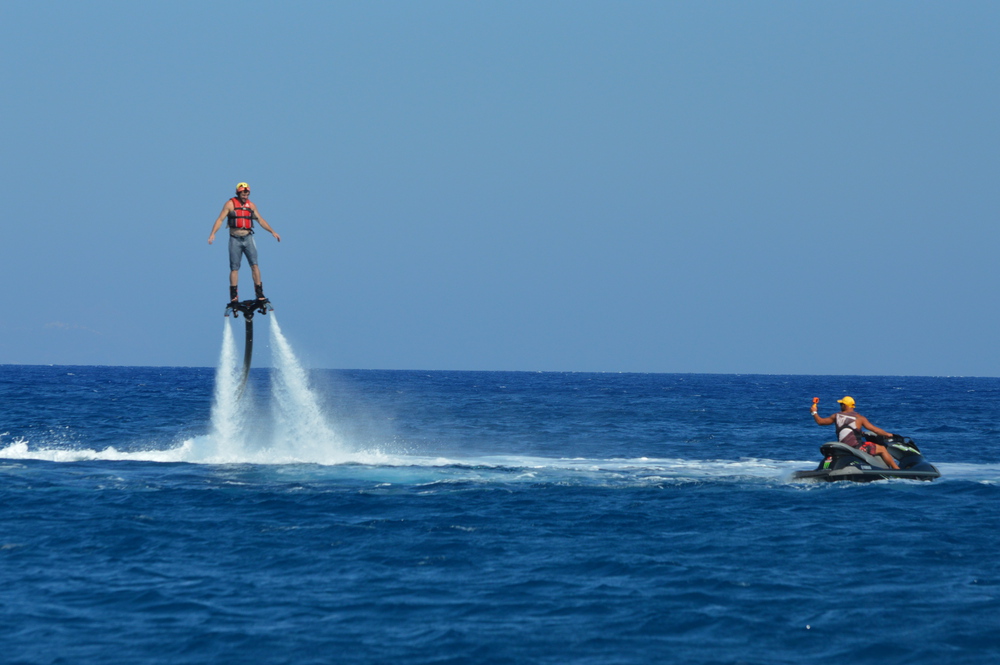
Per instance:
x=418, y=469
x=207, y=449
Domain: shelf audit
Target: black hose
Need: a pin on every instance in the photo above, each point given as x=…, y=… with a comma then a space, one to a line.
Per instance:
x=247, y=355
x=247, y=308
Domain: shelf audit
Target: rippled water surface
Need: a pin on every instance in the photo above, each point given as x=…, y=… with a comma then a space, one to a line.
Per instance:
x=449, y=517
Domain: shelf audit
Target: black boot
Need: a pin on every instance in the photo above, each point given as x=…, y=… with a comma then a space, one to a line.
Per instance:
x=259, y=288
x=232, y=294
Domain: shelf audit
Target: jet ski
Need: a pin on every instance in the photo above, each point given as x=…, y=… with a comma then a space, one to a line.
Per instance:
x=842, y=462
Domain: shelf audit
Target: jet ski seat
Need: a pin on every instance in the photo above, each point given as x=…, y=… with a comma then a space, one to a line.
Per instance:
x=875, y=462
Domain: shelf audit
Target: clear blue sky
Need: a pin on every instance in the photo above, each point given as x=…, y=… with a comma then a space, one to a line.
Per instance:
x=769, y=187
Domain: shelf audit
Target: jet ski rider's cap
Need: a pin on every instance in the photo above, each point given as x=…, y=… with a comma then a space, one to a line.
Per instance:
x=241, y=186
x=848, y=401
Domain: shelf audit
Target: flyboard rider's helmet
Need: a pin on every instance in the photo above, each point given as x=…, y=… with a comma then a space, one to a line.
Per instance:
x=242, y=186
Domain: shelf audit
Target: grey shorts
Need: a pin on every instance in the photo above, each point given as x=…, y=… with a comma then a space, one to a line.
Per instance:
x=238, y=246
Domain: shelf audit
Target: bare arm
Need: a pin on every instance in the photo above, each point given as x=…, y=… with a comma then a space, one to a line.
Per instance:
x=264, y=224
x=823, y=421
x=863, y=422
x=820, y=420
x=226, y=209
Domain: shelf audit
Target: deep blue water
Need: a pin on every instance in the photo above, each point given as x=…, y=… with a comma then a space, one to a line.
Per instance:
x=489, y=517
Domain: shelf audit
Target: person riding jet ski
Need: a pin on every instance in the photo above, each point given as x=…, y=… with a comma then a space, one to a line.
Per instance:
x=849, y=424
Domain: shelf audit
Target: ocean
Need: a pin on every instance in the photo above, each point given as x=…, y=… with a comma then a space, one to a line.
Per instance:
x=147, y=515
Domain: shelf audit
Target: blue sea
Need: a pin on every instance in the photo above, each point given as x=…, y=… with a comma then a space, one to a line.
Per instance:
x=362, y=516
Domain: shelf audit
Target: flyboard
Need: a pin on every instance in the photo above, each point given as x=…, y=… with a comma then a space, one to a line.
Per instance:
x=248, y=308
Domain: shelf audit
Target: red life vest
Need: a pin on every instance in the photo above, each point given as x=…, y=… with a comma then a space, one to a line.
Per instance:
x=241, y=216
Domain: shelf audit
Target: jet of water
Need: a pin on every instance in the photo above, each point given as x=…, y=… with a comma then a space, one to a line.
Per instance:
x=226, y=430
x=302, y=429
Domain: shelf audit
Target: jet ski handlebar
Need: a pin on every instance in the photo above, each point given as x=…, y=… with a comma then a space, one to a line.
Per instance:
x=895, y=438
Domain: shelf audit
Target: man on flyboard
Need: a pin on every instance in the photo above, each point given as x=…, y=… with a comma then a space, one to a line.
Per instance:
x=850, y=425
x=240, y=213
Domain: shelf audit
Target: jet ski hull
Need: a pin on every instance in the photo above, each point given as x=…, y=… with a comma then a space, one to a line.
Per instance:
x=842, y=462
x=866, y=475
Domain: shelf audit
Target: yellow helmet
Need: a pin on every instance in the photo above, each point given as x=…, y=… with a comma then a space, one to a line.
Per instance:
x=241, y=186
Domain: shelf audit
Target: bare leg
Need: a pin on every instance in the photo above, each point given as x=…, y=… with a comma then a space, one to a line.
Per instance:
x=886, y=457
x=234, y=277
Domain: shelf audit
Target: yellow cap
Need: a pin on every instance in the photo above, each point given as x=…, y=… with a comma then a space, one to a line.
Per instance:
x=848, y=401
x=241, y=186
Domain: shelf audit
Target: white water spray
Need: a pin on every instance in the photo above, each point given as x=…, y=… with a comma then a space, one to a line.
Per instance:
x=298, y=431
x=303, y=432
x=226, y=411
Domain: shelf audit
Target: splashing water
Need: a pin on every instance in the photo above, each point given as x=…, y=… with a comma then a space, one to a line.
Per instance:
x=296, y=430
x=303, y=432
x=226, y=408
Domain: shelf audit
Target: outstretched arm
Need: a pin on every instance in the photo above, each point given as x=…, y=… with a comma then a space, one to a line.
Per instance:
x=264, y=225
x=218, y=222
x=863, y=422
